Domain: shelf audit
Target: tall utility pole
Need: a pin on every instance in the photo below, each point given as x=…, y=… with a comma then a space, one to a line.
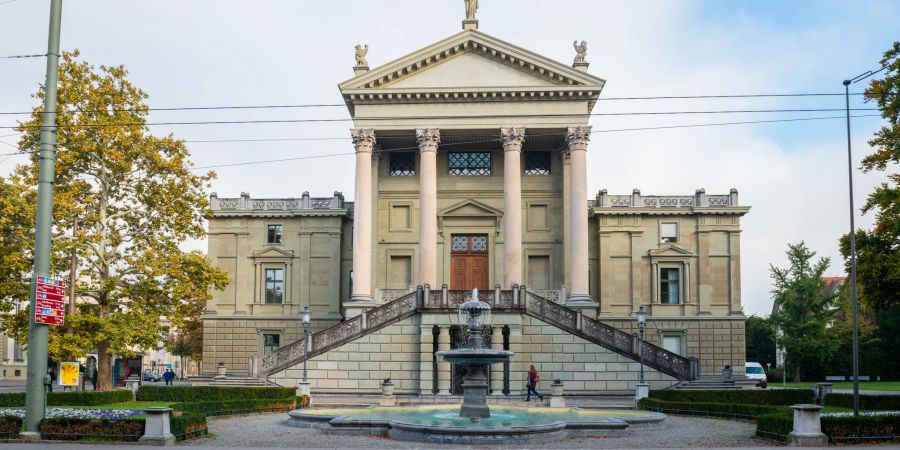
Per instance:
x=73, y=274
x=35, y=396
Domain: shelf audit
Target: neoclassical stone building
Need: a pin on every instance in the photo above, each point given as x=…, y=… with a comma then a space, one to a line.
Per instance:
x=471, y=173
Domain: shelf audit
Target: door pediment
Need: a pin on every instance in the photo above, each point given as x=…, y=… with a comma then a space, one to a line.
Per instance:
x=470, y=209
x=272, y=252
x=670, y=250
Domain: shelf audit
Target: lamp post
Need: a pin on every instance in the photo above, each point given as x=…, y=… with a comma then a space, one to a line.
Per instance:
x=847, y=84
x=305, y=317
x=642, y=322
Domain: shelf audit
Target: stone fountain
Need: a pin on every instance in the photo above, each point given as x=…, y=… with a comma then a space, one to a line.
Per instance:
x=475, y=315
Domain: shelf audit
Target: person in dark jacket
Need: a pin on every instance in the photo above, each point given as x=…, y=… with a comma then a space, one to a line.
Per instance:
x=533, y=380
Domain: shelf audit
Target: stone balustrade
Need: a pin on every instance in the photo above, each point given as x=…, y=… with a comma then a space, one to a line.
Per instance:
x=636, y=200
x=245, y=203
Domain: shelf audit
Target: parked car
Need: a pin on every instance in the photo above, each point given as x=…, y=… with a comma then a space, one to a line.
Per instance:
x=150, y=376
x=755, y=371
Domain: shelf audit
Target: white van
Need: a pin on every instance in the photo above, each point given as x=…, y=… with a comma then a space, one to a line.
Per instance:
x=755, y=371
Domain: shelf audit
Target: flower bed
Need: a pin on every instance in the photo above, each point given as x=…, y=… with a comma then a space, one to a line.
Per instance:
x=76, y=413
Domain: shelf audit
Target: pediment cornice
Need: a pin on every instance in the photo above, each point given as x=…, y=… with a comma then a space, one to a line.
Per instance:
x=470, y=208
x=670, y=250
x=272, y=252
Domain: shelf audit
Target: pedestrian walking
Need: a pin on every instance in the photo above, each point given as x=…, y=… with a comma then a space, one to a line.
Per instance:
x=533, y=379
x=94, y=378
x=167, y=377
x=52, y=376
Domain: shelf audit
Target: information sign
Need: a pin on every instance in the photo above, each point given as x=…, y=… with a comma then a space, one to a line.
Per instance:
x=50, y=301
x=68, y=373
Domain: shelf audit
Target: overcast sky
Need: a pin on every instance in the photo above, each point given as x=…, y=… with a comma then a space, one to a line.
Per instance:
x=794, y=174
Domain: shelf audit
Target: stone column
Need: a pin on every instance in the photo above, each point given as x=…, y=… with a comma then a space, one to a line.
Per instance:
x=364, y=141
x=444, y=367
x=579, y=295
x=497, y=369
x=512, y=205
x=428, y=139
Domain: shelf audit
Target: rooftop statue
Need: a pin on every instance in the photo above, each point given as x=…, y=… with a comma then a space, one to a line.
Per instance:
x=580, y=51
x=471, y=9
x=361, y=55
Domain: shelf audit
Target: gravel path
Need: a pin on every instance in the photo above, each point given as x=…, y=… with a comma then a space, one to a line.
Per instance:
x=269, y=430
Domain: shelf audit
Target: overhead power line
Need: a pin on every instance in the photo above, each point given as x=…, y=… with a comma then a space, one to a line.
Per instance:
x=22, y=56
x=334, y=105
x=498, y=116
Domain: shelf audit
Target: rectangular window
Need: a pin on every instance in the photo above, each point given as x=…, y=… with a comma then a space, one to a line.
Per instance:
x=537, y=163
x=668, y=232
x=273, y=234
x=669, y=286
x=672, y=344
x=469, y=163
x=402, y=164
x=274, y=285
x=271, y=342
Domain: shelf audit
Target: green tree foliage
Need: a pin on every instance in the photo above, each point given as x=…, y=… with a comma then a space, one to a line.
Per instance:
x=136, y=198
x=805, y=308
x=760, y=338
x=878, y=249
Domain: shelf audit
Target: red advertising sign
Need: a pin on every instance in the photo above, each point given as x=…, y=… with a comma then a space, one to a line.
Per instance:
x=49, y=304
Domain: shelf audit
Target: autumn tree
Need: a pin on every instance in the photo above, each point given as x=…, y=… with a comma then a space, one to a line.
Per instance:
x=137, y=199
x=805, y=308
x=878, y=249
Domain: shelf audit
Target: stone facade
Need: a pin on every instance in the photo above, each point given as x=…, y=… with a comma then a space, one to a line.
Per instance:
x=471, y=172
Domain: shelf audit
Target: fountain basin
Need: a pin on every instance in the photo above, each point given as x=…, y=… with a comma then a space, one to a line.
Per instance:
x=442, y=423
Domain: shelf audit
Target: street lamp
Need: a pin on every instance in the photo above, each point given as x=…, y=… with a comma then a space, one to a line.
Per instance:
x=305, y=318
x=642, y=322
x=847, y=84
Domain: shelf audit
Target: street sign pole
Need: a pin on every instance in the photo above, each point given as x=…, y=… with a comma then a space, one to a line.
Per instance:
x=35, y=396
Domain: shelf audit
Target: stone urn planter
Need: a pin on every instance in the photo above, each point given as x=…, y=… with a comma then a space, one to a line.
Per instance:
x=556, y=394
x=221, y=370
x=556, y=388
x=726, y=374
x=387, y=393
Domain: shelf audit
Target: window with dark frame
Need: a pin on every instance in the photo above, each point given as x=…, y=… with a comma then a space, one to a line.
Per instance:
x=537, y=163
x=274, y=285
x=469, y=163
x=402, y=164
x=273, y=234
x=669, y=286
x=271, y=342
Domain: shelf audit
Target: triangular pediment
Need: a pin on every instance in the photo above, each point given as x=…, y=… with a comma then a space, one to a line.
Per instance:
x=470, y=208
x=467, y=60
x=272, y=252
x=670, y=250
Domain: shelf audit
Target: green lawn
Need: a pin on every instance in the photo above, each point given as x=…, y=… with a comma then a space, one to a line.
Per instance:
x=863, y=385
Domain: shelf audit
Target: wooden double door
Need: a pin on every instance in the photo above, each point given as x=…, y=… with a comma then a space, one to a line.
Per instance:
x=469, y=262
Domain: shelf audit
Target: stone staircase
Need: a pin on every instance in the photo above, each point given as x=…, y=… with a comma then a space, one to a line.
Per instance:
x=716, y=383
x=230, y=380
x=516, y=300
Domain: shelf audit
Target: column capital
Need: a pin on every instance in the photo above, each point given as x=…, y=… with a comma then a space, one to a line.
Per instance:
x=577, y=137
x=363, y=139
x=428, y=139
x=512, y=138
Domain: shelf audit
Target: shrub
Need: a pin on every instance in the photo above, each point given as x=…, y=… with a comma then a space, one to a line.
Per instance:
x=92, y=429
x=747, y=397
x=224, y=408
x=211, y=393
x=735, y=410
x=775, y=426
x=860, y=429
x=14, y=399
x=10, y=427
x=188, y=426
x=866, y=402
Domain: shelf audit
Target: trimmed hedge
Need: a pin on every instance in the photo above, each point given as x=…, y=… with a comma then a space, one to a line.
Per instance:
x=221, y=408
x=68, y=429
x=736, y=410
x=90, y=398
x=839, y=429
x=10, y=427
x=188, y=426
x=866, y=402
x=747, y=397
x=211, y=393
x=775, y=426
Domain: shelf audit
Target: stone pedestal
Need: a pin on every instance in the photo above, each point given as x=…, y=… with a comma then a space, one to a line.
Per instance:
x=475, y=389
x=556, y=396
x=822, y=389
x=221, y=371
x=303, y=388
x=642, y=390
x=470, y=24
x=807, y=427
x=132, y=385
x=157, y=430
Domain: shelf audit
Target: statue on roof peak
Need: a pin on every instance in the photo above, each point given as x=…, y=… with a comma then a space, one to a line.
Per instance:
x=471, y=9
